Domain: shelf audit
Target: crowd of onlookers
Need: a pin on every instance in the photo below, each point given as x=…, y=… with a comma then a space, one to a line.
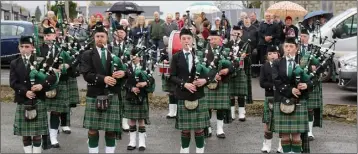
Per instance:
x=270, y=31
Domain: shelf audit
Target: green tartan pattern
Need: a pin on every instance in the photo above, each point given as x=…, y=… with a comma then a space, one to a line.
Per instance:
x=238, y=84
x=297, y=122
x=39, y=126
x=136, y=112
x=218, y=98
x=61, y=102
x=73, y=91
x=109, y=120
x=305, y=143
x=167, y=86
x=315, y=97
x=192, y=119
x=267, y=114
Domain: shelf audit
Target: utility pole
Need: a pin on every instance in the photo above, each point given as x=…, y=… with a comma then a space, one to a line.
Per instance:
x=67, y=9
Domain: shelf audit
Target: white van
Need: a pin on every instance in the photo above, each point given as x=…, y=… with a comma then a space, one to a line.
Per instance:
x=343, y=29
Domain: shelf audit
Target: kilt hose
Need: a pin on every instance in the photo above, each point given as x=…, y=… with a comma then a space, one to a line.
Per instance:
x=315, y=103
x=305, y=143
x=136, y=112
x=192, y=119
x=38, y=126
x=238, y=84
x=109, y=120
x=296, y=122
x=218, y=98
x=61, y=102
x=73, y=92
x=267, y=116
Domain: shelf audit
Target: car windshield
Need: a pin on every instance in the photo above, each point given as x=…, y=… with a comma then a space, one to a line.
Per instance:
x=8, y=30
x=332, y=21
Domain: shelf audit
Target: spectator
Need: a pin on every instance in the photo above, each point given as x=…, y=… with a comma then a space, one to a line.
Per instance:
x=322, y=20
x=243, y=15
x=309, y=25
x=268, y=34
x=155, y=30
x=249, y=31
x=199, y=25
x=227, y=29
x=92, y=22
x=203, y=17
x=126, y=26
x=78, y=32
x=82, y=22
x=180, y=22
x=99, y=17
x=206, y=30
x=289, y=29
x=118, y=19
x=139, y=30
x=254, y=21
x=280, y=25
x=169, y=26
x=216, y=25
x=52, y=18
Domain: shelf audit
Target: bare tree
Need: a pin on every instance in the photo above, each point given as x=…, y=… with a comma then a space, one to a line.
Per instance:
x=222, y=5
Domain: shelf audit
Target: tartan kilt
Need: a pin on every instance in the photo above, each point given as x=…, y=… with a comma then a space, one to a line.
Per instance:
x=238, y=84
x=109, y=120
x=39, y=126
x=297, y=122
x=305, y=143
x=61, y=102
x=73, y=91
x=267, y=114
x=136, y=112
x=167, y=86
x=218, y=98
x=192, y=119
x=315, y=97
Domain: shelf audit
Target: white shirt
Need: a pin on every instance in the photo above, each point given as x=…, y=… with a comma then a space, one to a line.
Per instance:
x=288, y=63
x=100, y=51
x=190, y=56
x=134, y=66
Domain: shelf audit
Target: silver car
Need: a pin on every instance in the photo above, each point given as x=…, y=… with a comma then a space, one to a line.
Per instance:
x=347, y=67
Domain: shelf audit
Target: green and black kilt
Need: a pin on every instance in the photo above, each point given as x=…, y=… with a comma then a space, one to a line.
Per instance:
x=61, y=102
x=249, y=99
x=167, y=86
x=267, y=113
x=296, y=122
x=316, y=104
x=192, y=119
x=218, y=98
x=136, y=112
x=73, y=91
x=38, y=126
x=109, y=120
x=238, y=84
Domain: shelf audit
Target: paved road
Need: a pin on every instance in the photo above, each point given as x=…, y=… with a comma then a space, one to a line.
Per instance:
x=332, y=94
x=162, y=137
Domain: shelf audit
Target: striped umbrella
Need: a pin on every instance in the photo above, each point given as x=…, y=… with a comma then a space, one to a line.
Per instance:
x=287, y=8
x=206, y=7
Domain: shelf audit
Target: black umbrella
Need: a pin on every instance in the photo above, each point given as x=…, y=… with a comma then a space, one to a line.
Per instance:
x=126, y=8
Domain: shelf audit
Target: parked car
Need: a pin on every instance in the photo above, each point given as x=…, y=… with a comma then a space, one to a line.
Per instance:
x=342, y=29
x=347, y=67
x=11, y=31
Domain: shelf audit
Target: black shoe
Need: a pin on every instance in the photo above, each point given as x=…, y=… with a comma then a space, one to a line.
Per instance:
x=220, y=135
x=169, y=117
x=57, y=145
x=125, y=130
x=66, y=131
x=242, y=119
x=147, y=122
x=46, y=145
x=141, y=148
x=310, y=138
x=130, y=148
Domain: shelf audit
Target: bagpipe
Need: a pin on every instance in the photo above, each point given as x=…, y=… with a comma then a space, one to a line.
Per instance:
x=236, y=54
x=223, y=29
x=220, y=61
x=314, y=56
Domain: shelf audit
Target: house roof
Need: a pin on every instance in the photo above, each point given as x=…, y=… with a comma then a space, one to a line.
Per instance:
x=5, y=6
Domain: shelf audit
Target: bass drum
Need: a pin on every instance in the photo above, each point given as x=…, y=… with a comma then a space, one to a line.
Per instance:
x=174, y=44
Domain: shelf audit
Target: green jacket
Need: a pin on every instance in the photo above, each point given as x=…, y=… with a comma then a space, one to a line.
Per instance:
x=155, y=30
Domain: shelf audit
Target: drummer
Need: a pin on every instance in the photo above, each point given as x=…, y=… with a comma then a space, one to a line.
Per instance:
x=166, y=85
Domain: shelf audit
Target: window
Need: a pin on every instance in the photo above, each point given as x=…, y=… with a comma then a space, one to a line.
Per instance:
x=347, y=28
x=8, y=30
x=20, y=30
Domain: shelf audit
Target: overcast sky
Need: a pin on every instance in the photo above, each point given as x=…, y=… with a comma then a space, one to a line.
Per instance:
x=165, y=6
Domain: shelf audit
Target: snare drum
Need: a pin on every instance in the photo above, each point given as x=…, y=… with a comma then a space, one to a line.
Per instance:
x=164, y=69
x=174, y=44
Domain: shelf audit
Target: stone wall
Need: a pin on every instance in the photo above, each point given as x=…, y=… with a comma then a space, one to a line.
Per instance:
x=341, y=6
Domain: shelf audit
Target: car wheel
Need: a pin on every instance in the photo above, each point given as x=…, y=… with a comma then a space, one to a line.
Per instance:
x=327, y=74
